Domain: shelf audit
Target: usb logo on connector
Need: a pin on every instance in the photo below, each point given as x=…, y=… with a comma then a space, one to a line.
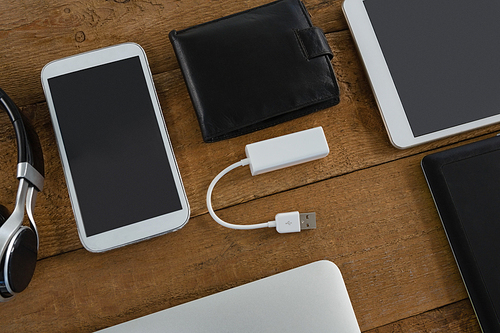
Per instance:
x=294, y=222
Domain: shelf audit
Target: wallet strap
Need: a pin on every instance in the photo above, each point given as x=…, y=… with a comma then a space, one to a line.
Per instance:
x=313, y=43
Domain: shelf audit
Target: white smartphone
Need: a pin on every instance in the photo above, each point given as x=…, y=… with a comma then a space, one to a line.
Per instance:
x=123, y=180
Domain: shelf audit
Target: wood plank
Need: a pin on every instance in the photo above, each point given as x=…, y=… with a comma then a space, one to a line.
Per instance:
x=382, y=231
x=354, y=130
x=35, y=33
x=376, y=218
x=456, y=317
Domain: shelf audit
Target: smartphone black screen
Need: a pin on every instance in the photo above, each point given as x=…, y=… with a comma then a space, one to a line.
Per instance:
x=115, y=150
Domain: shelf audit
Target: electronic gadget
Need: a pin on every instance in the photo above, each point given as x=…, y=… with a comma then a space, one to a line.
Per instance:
x=465, y=184
x=432, y=65
x=274, y=154
x=18, y=242
x=120, y=169
x=310, y=298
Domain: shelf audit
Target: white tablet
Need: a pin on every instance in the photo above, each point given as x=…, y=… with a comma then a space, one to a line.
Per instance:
x=432, y=64
x=120, y=169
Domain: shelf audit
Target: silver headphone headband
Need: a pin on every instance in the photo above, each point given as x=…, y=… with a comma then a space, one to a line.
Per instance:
x=28, y=172
x=30, y=183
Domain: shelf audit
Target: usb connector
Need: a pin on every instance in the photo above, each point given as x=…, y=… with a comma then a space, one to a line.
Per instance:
x=307, y=221
x=274, y=154
x=294, y=222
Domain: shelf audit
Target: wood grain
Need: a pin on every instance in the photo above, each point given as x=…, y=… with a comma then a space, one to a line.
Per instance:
x=34, y=33
x=456, y=317
x=353, y=128
x=376, y=218
x=381, y=231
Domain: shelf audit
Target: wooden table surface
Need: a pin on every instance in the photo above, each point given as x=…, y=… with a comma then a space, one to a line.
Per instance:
x=376, y=217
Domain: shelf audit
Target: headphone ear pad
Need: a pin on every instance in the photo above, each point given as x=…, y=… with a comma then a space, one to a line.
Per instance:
x=18, y=264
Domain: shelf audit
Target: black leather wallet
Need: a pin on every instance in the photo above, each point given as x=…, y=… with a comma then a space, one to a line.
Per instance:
x=255, y=69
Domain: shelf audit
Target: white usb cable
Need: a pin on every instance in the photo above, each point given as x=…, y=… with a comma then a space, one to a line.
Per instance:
x=274, y=154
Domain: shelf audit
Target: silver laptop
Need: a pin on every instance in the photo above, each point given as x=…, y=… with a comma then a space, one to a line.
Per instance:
x=310, y=298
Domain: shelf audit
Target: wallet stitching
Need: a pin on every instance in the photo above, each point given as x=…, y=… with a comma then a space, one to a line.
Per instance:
x=306, y=13
x=286, y=117
x=301, y=43
x=283, y=113
x=327, y=60
x=305, y=51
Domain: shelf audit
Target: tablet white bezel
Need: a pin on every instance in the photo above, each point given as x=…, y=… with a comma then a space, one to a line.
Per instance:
x=384, y=89
x=141, y=230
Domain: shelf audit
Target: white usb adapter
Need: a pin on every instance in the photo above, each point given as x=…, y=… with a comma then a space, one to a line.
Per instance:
x=286, y=150
x=274, y=154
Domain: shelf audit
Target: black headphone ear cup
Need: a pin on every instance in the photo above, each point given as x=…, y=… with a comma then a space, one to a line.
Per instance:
x=4, y=214
x=18, y=263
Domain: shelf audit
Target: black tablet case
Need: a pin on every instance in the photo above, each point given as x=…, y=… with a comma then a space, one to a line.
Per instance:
x=255, y=69
x=465, y=185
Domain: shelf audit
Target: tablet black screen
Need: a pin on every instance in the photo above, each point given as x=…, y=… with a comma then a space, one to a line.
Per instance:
x=474, y=185
x=465, y=183
x=443, y=58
